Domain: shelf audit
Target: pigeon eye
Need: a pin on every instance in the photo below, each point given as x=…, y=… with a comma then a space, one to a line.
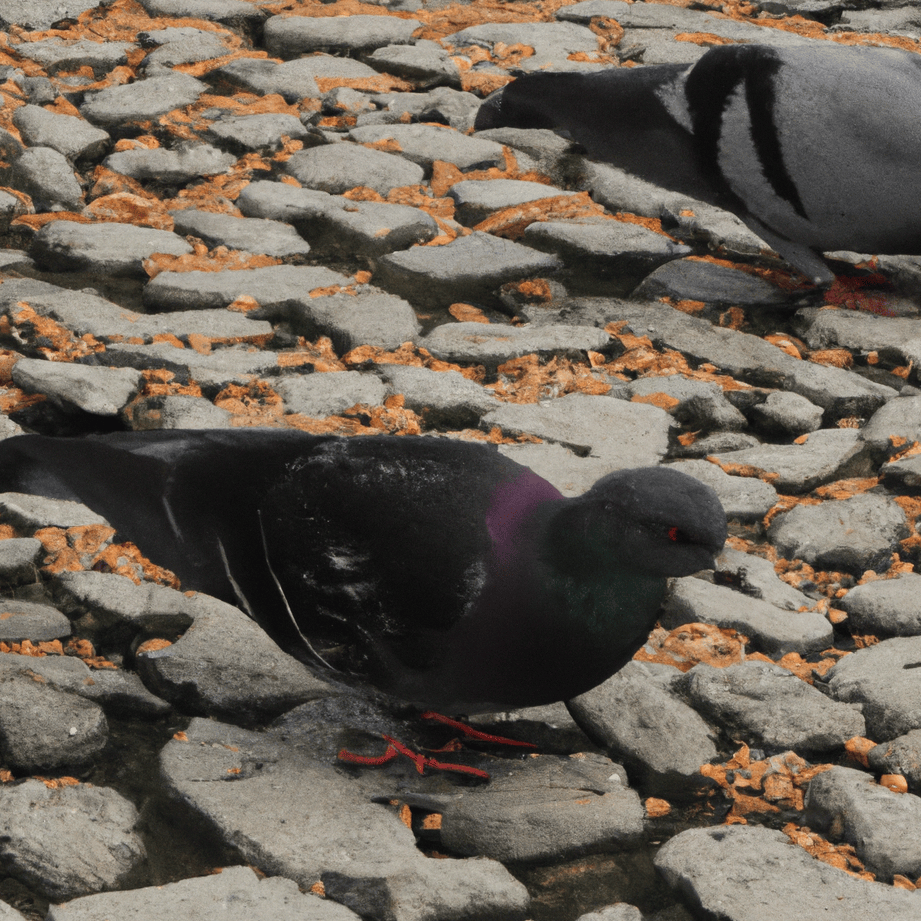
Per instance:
x=675, y=534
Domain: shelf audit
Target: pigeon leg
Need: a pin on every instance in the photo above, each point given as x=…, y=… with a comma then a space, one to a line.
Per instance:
x=472, y=733
x=421, y=762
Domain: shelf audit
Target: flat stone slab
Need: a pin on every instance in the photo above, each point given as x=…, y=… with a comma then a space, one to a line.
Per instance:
x=248, y=234
x=696, y=280
x=25, y=620
x=904, y=473
x=109, y=248
x=30, y=513
x=853, y=534
x=639, y=720
x=47, y=177
x=304, y=34
x=884, y=680
x=854, y=329
x=269, y=285
x=492, y=343
x=901, y=755
x=424, y=144
x=56, y=54
x=84, y=841
x=100, y=391
x=180, y=165
x=265, y=131
x=216, y=10
x=231, y=894
x=708, y=864
x=293, y=80
x=620, y=434
x=71, y=136
x=772, y=630
x=885, y=607
x=770, y=708
x=476, y=199
x=143, y=100
x=742, y=498
x=292, y=816
x=442, y=398
x=19, y=558
x=757, y=578
x=893, y=426
x=825, y=456
x=337, y=168
x=883, y=827
x=321, y=395
x=470, y=267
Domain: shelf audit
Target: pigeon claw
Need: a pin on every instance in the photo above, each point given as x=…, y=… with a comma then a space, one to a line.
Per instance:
x=472, y=733
x=395, y=748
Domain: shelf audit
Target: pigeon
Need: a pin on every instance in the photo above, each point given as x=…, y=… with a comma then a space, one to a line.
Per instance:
x=434, y=571
x=815, y=147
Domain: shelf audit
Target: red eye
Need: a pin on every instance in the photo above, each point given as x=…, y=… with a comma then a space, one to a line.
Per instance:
x=674, y=534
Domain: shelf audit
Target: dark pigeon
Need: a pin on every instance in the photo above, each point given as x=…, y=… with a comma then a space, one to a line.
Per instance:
x=815, y=147
x=437, y=571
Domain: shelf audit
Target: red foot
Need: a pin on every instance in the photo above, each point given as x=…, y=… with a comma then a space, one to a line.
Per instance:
x=848, y=292
x=422, y=762
x=472, y=733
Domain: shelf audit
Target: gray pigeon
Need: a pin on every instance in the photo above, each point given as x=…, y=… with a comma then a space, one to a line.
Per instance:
x=816, y=147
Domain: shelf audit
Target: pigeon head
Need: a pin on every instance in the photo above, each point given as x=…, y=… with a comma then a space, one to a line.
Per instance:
x=651, y=520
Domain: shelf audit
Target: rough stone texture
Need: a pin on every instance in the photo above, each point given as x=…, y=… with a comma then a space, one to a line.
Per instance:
x=787, y=414
x=901, y=755
x=639, y=721
x=33, y=512
x=70, y=841
x=366, y=858
x=101, y=391
x=441, y=397
x=883, y=680
x=271, y=238
x=115, y=249
x=897, y=420
x=182, y=164
x=47, y=177
x=142, y=100
x=772, y=630
x=327, y=394
x=424, y=144
x=884, y=827
x=257, y=132
x=757, y=577
x=305, y=34
x=336, y=168
x=232, y=894
x=24, y=620
x=734, y=871
x=70, y=136
x=770, y=708
x=888, y=607
x=743, y=498
x=854, y=534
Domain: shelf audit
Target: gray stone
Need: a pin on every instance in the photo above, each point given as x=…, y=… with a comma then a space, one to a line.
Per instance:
x=24, y=620
x=45, y=174
x=901, y=755
x=861, y=331
x=185, y=163
x=100, y=391
x=226, y=667
x=263, y=132
x=476, y=199
x=189, y=46
x=231, y=894
x=853, y=534
x=904, y=473
x=30, y=513
x=620, y=911
x=770, y=708
x=539, y=146
x=757, y=577
x=701, y=405
x=442, y=398
x=338, y=34
x=543, y=808
x=468, y=267
x=449, y=106
x=56, y=54
x=883, y=827
x=772, y=630
x=494, y=343
x=553, y=42
x=787, y=414
x=619, y=434
x=369, y=228
x=83, y=842
x=883, y=680
x=43, y=728
x=320, y=395
x=772, y=869
x=176, y=411
x=885, y=607
x=639, y=721
x=293, y=80
x=19, y=558
x=336, y=168
x=289, y=815
x=423, y=144
x=571, y=474
x=603, y=244
x=894, y=426
x=216, y=10
x=903, y=20
x=742, y=498
x=270, y=285
x=249, y=234
x=73, y=137
x=369, y=317
x=143, y=100
x=692, y=279
x=425, y=63
x=280, y=201
x=107, y=248
x=825, y=456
